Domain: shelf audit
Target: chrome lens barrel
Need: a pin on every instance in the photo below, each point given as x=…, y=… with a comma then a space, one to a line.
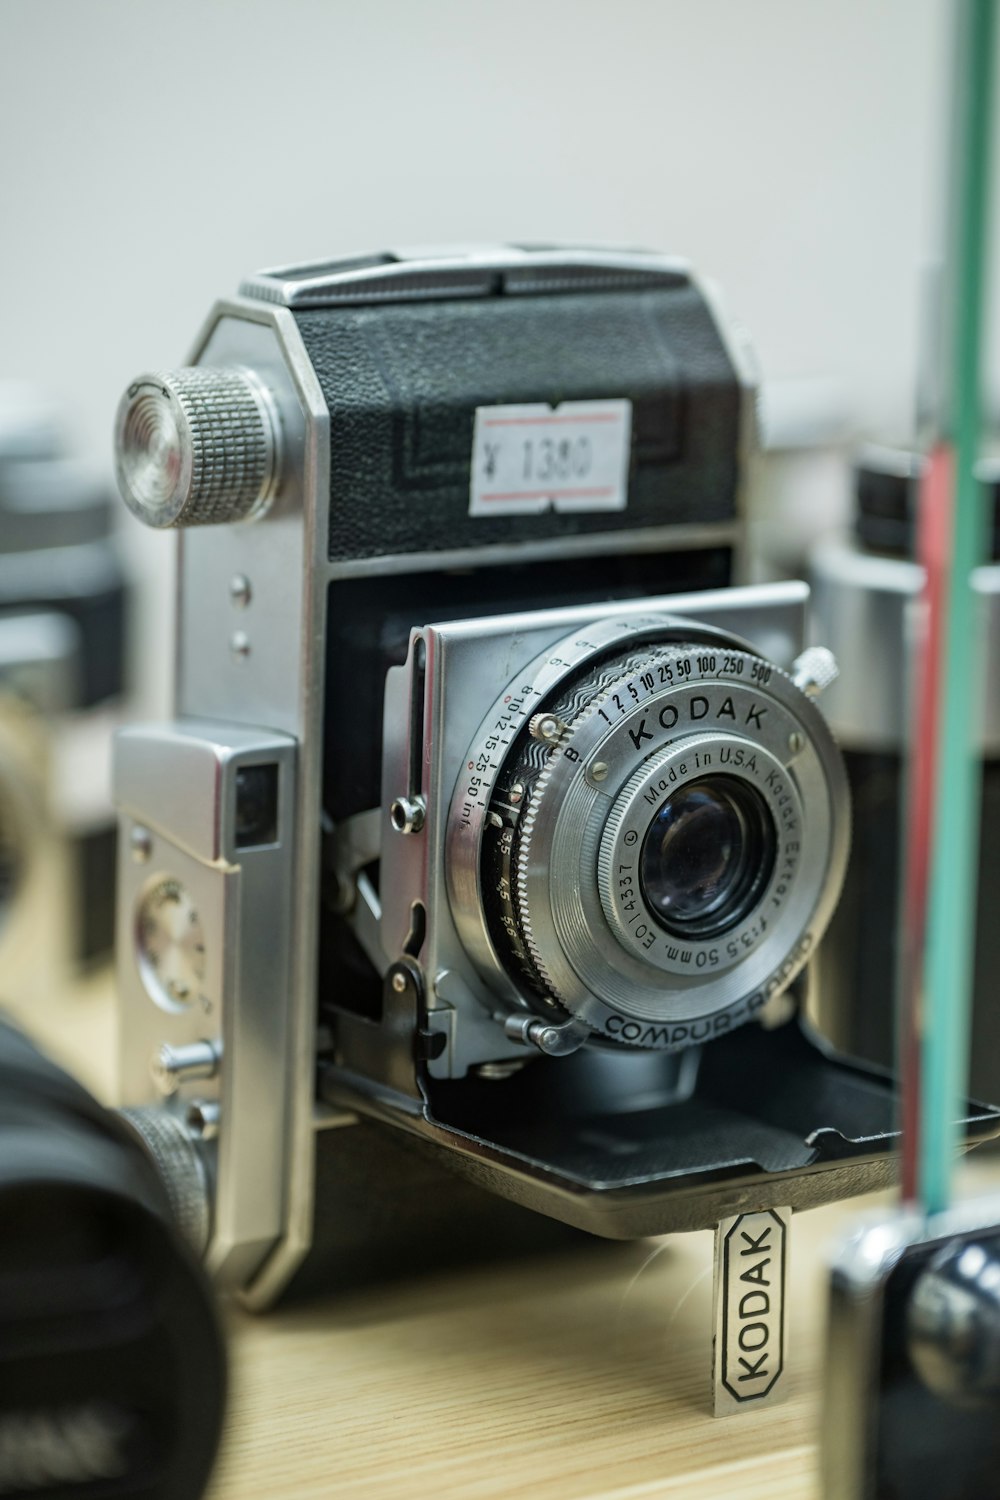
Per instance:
x=666, y=856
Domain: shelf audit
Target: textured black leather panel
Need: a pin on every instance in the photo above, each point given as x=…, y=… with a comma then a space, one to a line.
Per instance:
x=402, y=384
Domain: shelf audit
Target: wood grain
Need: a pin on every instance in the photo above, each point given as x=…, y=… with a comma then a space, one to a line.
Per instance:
x=582, y=1377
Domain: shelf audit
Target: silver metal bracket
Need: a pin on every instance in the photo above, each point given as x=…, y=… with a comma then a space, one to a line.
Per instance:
x=349, y=847
x=749, y=1349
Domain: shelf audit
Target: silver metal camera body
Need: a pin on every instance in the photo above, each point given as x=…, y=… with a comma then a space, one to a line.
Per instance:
x=455, y=631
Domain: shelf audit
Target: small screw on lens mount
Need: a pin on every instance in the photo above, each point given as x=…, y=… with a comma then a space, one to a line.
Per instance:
x=407, y=814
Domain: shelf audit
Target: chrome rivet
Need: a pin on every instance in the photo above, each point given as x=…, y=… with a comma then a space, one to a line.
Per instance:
x=407, y=814
x=141, y=843
x=202, y=1118
x=399, y=982
x=240, y=592
x=516, y=792
x=239, y=644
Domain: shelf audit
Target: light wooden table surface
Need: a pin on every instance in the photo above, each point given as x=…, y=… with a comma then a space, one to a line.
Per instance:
x=583, y=1376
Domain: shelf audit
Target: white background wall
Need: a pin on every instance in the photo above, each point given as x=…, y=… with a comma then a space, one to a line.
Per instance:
x=152, y=151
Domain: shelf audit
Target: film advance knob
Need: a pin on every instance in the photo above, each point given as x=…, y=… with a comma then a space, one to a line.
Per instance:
x=175, y=1155
x=197, y=447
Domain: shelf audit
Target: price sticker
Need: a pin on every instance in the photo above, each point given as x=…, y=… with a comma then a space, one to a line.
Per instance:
x=532, y=458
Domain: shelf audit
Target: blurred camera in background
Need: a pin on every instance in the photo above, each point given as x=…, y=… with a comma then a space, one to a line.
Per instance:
x=63, y=606
x=865, y=584
x=800, y=486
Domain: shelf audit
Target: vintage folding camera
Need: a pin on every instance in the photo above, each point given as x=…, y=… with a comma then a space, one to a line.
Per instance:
x=496, y=830
x=63, y=600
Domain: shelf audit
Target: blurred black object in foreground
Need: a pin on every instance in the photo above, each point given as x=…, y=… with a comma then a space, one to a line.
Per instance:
x=112, y=1366
x=912, y=1383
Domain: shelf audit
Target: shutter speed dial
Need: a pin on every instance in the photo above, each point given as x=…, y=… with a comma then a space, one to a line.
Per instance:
x=197, y=447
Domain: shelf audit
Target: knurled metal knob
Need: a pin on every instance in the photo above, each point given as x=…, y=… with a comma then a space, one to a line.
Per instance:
x=546, y=727
x=815, y=670
x=197, y=447
x=178, y=1161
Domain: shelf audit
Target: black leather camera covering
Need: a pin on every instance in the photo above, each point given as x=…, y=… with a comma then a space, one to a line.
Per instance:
x=402, y=384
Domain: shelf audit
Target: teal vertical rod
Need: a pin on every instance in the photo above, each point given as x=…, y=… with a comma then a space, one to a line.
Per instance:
x=955, y=839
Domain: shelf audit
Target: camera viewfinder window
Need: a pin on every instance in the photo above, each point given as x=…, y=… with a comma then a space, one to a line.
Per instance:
x=256, y=806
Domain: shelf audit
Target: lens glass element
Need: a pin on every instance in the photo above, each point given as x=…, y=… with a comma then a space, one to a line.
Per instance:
x=707, y=855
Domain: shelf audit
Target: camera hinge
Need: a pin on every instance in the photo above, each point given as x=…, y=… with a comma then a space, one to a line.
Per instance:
x=391, y=1050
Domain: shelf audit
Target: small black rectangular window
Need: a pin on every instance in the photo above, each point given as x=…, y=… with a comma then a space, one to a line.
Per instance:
x=256, y=806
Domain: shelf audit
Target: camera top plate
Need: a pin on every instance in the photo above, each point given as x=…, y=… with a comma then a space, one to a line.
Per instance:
x=424, y=274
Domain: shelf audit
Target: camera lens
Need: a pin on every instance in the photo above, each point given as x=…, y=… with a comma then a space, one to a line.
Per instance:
x=667, y=860
x=708, y=853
